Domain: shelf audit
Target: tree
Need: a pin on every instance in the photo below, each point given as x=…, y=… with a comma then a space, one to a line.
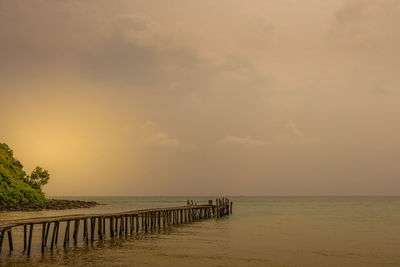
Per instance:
x=15, y=188
x=38, y=178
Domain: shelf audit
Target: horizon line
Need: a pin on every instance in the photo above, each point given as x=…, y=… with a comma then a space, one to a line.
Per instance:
x=222, y=195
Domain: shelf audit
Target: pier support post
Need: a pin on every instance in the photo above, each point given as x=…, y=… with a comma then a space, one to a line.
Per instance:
x=92, y=226
x=163, y=218
x=47, y=234
x=53, y=236
x=121, y=226
x=146, y=221
x=58, y=228
x=43, y=235
x=1, y=239
x=85, y=231
x=76, y=230
x=66, y=236
x=181, y=212
x=104, y=227
x=116, y=226
x=100, y=228
x=10, y=241
x=30, y=239
x=24, y=237
x=126, y=225
x=112, y=226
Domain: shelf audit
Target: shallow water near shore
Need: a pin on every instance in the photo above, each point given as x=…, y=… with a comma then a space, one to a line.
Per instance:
x=262, y=231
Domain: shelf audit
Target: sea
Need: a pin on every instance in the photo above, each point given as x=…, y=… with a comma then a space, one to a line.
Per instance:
x=262, y=231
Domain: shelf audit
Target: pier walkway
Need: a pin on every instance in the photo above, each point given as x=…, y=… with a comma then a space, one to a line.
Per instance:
x=93, y=227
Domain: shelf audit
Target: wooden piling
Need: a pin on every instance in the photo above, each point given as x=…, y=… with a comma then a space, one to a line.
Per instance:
x=30, y=239
x=92, y=226
x=151, y=220
x=10, y=241
x=116, y=226
x=24, y=237
x=53, y=237
x=167, y=218
x=121, y=227
x=111, y=226
x=126, y=225
x=158, y=220
x=76, y=230
x=43, y=235
x=47, y=234
x=85, y=231
x=1, y=239
x=100, y=228
x=66, y=236
x=104, y=227
x=58, y=227
x=145, y=221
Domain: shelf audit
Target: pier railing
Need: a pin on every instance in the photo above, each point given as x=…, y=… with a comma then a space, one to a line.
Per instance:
x=115, y=224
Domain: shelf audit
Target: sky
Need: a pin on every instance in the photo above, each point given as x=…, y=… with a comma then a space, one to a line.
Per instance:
x=184, y=97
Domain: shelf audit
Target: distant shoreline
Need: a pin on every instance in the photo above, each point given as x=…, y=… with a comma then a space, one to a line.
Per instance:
x=52, y=204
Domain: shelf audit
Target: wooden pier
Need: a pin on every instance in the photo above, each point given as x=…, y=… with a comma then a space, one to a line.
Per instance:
x=93, y=227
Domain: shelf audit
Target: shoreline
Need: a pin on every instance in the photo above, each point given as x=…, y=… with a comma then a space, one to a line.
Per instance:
x=53, y=204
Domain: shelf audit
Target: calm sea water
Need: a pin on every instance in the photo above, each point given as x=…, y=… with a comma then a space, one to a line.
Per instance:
x=263, y=231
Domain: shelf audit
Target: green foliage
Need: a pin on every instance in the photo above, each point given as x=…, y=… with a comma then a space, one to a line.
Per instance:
x=38, y=178
x=17, y=189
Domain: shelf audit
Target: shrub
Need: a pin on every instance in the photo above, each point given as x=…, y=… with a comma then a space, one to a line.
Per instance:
x=16, y=188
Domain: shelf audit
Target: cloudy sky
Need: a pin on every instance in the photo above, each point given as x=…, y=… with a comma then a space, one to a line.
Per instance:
x=182, y=97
